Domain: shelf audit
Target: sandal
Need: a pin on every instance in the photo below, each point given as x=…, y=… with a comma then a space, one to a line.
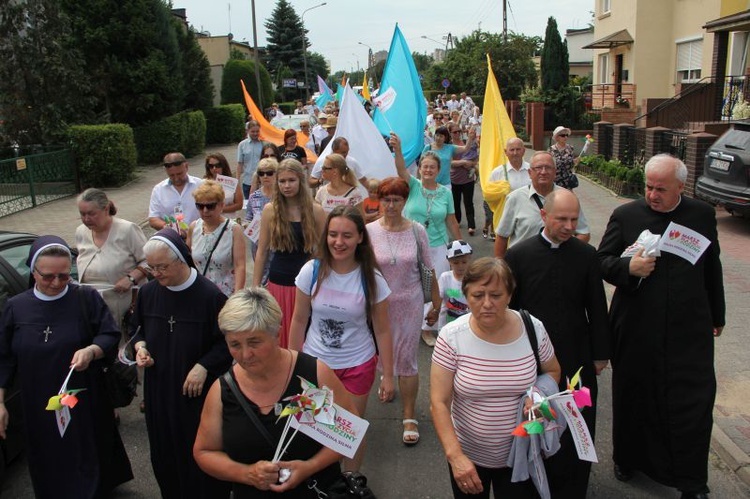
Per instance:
x=410, y=437
x=484, y=233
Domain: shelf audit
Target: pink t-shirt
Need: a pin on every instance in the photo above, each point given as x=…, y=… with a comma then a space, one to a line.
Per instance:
x=489, y=381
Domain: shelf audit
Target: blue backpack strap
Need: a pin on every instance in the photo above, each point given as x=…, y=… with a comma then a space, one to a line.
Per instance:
x=316, y=270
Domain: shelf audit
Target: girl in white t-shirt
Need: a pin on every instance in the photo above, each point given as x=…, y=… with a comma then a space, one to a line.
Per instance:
x=337, y=294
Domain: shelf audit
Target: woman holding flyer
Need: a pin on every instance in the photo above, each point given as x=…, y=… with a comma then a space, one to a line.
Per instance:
x=217, y=164
x=236, y=446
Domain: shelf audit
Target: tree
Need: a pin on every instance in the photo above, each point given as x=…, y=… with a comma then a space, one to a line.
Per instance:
x=43, y=85
x=554, y=62
x=132, y=57
x=231, y=90
x=286, y=36
x=316, y=65
x=466, y=64
x=196, y=71
x=422, y=61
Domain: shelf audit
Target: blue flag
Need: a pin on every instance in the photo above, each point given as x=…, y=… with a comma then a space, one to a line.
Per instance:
x=325, y=96
x=400, y=104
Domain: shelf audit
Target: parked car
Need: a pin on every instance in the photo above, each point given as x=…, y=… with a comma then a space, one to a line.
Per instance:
x=14, y=279
x=726, y=171
x=293, y=120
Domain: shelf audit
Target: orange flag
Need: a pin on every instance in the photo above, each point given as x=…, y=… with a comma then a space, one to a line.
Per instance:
x=270, y=133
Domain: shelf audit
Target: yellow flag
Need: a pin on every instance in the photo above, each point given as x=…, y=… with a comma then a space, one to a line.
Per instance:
x=365, y=88
x=496, y=130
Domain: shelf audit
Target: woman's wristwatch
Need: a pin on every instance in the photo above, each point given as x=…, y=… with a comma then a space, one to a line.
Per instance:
x=131, y=279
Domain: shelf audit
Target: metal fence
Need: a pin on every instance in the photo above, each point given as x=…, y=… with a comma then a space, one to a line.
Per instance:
x=675, y=143
x=635, y=151
x=607, y=141
x=30, y=180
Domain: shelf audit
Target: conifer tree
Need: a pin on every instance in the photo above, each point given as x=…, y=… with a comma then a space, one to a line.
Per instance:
x=285, y=38
x=554, y=64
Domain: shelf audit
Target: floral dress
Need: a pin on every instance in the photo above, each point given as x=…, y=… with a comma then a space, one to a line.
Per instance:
x=221, y=267
x=564, y=162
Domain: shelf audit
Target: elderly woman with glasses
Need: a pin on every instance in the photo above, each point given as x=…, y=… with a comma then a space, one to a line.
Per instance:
x=42, y=336
x=217, y=243
x=565, y=158
x=217, y=164
x=229, y=446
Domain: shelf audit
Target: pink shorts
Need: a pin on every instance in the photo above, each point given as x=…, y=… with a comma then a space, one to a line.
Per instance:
x=358, y=379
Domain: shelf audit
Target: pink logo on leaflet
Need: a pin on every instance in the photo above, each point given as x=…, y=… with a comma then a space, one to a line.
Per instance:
x=674, y=234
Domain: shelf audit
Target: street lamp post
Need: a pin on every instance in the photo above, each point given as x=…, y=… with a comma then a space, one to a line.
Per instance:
x=304, y=47
x=357, y=58
x=257, y=59
x=369, y=57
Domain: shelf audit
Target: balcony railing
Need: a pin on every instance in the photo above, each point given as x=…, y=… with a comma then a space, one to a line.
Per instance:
x=611, y=95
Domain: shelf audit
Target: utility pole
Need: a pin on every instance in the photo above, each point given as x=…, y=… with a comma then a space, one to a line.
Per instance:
x=257, y=59
x=505, y=21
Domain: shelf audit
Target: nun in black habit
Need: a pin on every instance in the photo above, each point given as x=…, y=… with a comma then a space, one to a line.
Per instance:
x=180, y=345
x=43, y=334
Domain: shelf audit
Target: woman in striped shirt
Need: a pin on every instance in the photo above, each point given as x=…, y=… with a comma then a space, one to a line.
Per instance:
x=482, y=365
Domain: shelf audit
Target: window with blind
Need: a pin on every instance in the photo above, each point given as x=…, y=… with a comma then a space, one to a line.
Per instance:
x=604, y=68
x=689, y=61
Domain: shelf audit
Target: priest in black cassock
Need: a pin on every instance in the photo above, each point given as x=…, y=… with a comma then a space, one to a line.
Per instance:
x=42, y=334
x=664, y=317
x=558, y=280
x=180, y=345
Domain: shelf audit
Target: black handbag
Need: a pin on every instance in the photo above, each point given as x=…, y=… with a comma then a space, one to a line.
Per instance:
x=120, y=380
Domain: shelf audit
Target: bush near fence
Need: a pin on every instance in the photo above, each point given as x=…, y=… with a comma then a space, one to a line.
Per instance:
x=183, y=132
x=225, y=124
x=105, y=155
x=622, y=179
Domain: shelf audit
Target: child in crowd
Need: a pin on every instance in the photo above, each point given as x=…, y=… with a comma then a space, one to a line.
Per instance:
x=371, y=204
x=454, y=303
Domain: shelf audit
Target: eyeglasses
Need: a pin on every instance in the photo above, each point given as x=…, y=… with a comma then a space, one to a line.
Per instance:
x=270, y=155
x=214, y=165
x=268, y=173
x=543, y=168
x=205, y=206
x=158, y=269
x=63, y=276
x=173, y=163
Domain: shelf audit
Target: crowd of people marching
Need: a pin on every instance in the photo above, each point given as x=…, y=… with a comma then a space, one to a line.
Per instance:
x=348, y=273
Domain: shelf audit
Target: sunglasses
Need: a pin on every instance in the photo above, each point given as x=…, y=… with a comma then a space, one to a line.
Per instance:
x=173, y=163
x=214, y=165
x=563, y=135
x=205, y=206
x=271, y=155
x=63, y=276
x=438, y=117
x=267, y=173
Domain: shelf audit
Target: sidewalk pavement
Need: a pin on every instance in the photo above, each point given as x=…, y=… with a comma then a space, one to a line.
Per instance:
x=731, y=431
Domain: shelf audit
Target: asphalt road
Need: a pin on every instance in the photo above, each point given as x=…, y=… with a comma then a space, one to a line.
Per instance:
x=395, y=471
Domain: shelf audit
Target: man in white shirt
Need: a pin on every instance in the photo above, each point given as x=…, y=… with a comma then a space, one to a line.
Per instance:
x=248, y=155
x=522, y=216
x=515, y=170
x=319, y=132
x=339, y=146
x=453, y=104
x=174, y=196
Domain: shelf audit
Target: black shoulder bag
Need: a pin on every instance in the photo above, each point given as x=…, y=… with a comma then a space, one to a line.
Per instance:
x=205, y=269
x=531, y=333
x=120, y=380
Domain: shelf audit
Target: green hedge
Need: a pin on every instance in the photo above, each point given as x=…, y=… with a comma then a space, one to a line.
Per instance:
x=183, y=132
x=105, y=155
x=225, y=124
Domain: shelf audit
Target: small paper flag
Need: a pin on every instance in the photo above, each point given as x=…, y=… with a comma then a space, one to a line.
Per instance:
x=69, y=400
x=582, y=397
x=547, y=411
x=54, y=403
x=575, y=379
x=534, y=427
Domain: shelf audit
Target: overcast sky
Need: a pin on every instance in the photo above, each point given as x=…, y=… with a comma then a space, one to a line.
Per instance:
x=336, y=28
